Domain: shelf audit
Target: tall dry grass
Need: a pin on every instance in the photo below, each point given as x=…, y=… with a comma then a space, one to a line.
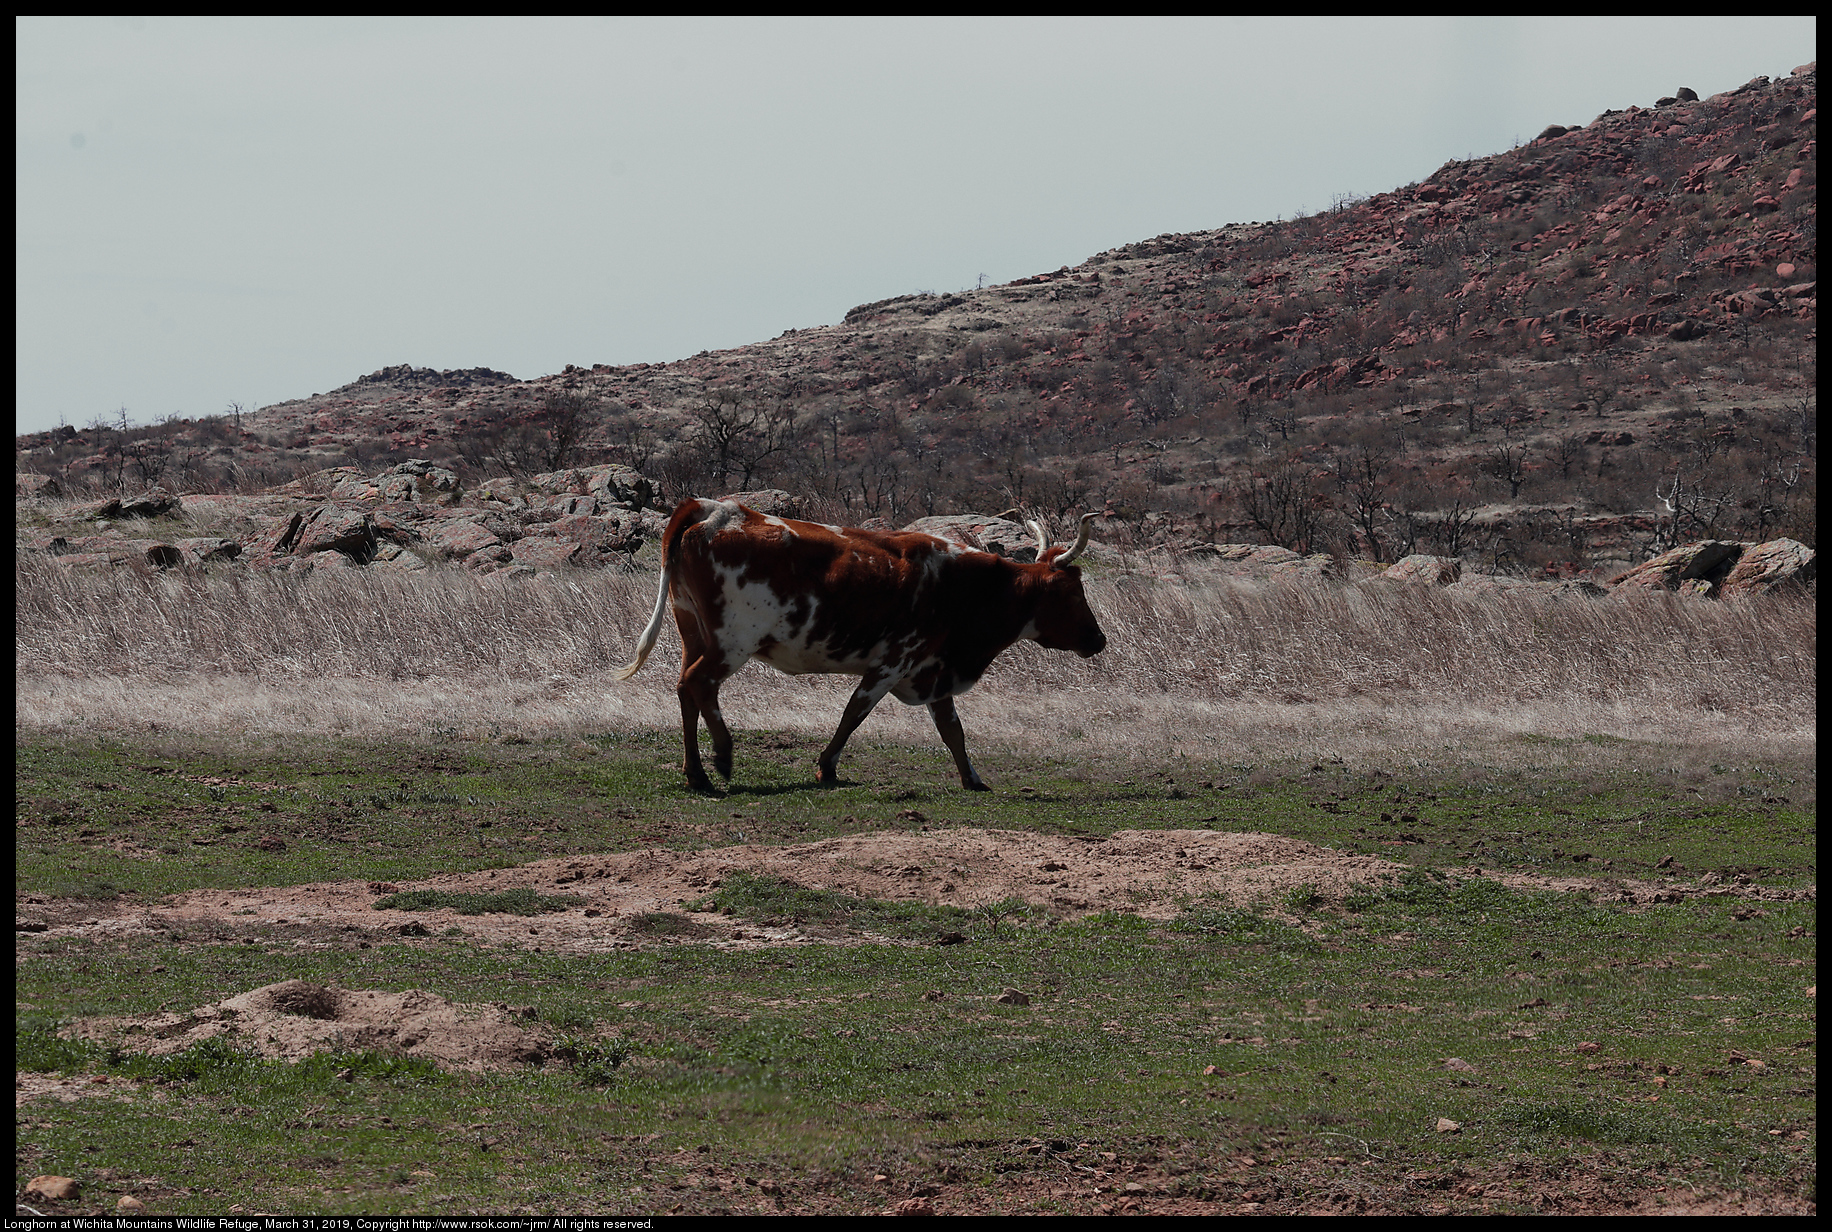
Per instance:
x=1207, y=668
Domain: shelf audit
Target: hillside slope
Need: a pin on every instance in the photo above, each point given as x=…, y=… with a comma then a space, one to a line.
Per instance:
x=1571, y=354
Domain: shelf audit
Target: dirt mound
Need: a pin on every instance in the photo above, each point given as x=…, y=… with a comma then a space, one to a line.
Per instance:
x=1150, y=872
x=295, y=1019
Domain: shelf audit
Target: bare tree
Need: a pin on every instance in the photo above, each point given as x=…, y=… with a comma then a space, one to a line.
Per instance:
x=151, y=454
x=1508, y=463
x=1692, y=509
x=522, y=442
x=1565, y=453
x=1453, y=528
x=111, y=435
x=1282, y=505
x=735, y=435
x=633, y=438
x=1362, y=477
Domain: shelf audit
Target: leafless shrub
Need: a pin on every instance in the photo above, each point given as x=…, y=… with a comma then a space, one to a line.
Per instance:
x=519, y=441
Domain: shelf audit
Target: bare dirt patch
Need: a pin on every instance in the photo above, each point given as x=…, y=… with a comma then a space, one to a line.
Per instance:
x=68, y=1088
x=1149, y=872
x=296, y=1018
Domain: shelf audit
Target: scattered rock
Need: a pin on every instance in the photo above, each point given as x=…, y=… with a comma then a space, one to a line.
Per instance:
x=53, y=1188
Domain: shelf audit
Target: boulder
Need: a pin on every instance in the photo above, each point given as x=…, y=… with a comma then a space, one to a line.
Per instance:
x=1436, y=570
x=327, y=559
x=337, y=528
x=147, y=505
x=773, y=501
x=428, y=476
x=1262, y=560
x=621, y=485
x=1709, y=561
x=27, y=484
x=612, y=483
x=1491, y=584
x=498, y=488
x=567, y=506
x=1765, y=567
x=394, y=556
x=44, y=541
x=158, y=554
x=544, y=553
x=1755, y=300
x=53, y=1188
x=278, y=539
x=458, y=539
x=92, y=560
x=489, y=558
x=600, y=536
x=415, y=480
x=1012, y=540
x=209, y=548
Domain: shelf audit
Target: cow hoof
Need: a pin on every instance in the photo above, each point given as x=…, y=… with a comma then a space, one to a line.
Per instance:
x=976, y=785
x=724, y=766
x=701, y=784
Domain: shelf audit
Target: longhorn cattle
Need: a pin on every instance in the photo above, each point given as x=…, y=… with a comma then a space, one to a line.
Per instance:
x=911, y=615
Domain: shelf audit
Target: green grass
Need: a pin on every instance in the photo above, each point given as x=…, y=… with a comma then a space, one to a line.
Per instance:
x=520, y=901
x=96, y=819
x=1300, y=1032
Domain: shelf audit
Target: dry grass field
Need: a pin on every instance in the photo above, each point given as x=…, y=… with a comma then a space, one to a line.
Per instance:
x=1195, y=667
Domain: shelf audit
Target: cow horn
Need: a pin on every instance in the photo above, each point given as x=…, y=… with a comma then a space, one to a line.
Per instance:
x=1043, y=540
x=1081, y=542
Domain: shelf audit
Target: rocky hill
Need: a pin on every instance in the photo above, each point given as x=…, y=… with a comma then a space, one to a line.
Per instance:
x=1565, y=358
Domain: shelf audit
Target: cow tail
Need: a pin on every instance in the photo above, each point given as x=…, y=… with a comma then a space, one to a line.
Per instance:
x=646, y=642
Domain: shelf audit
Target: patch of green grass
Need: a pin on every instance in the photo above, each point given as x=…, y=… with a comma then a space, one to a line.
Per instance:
x=595, y=1061
x=665, y=924
x=775, y=902
x=519, y=901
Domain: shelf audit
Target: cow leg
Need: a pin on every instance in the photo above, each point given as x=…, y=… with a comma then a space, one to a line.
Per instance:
x=948, y=723
x=866, y=696
x=699, y=695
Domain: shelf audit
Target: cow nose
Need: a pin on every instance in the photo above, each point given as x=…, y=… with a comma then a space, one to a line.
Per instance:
x=1096, y=646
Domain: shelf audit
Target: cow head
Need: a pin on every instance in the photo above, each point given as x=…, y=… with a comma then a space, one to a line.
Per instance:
x=1063, y=619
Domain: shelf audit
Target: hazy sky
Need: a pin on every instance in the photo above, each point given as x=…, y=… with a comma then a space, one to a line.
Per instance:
x=215, y=210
